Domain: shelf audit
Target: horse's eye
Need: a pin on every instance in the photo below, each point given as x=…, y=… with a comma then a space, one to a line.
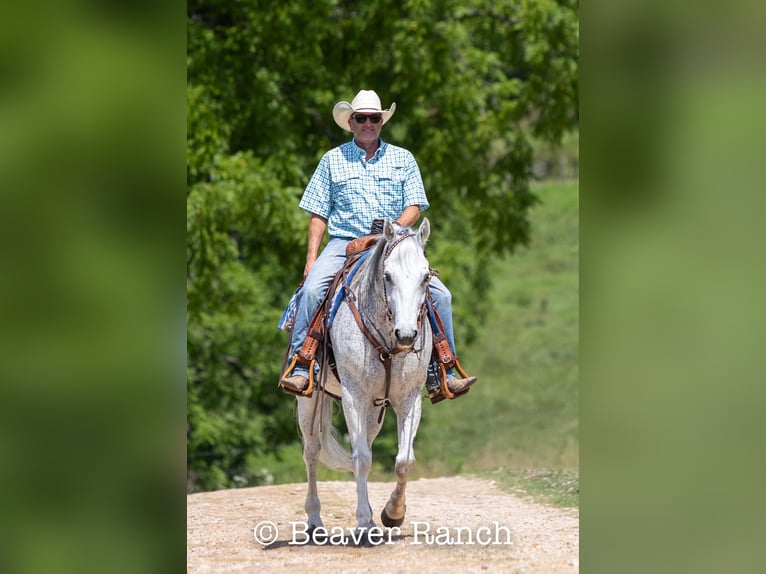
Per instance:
x=387, y=276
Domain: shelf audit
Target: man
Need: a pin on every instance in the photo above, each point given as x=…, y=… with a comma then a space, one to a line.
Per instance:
x=354, y=184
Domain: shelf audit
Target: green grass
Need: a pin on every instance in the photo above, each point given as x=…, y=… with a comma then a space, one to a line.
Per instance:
x=555, y=487
x=522, y=414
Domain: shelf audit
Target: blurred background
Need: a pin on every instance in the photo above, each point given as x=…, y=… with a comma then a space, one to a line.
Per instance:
x=91, y=288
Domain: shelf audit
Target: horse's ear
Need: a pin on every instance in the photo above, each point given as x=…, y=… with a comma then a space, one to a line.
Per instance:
x=388, y=229
x=424, y=231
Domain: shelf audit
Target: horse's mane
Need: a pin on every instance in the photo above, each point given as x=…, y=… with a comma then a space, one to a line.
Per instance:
x=376, y=256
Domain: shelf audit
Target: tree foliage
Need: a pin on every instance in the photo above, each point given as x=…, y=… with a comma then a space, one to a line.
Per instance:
x=475, y=83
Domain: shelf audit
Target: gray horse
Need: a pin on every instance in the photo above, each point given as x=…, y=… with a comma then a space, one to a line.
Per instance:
x=382, y=345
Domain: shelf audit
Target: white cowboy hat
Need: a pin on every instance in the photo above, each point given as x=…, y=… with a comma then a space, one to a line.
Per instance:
x=366, y=101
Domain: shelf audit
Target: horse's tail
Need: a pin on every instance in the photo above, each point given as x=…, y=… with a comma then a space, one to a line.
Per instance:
x=332, y=453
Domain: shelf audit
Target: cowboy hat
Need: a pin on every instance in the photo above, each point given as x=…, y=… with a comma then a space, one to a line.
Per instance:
x=365, y=101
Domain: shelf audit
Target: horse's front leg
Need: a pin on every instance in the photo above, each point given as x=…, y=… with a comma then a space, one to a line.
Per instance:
x=407, y=422
x=361, y=423
x=311, y=449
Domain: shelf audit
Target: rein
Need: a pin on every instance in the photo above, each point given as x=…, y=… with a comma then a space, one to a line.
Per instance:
x=385, y=354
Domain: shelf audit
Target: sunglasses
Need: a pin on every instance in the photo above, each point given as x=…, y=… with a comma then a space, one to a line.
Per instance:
x=360, y=118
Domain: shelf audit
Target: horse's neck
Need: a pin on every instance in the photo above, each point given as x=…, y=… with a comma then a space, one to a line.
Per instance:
x=371, y=297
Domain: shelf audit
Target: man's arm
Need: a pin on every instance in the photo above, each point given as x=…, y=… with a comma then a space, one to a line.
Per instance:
x=409, y=216
x=317, y=227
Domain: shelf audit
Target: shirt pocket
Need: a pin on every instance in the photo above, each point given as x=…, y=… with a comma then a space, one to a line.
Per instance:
x=390, y=185
x=345, y=187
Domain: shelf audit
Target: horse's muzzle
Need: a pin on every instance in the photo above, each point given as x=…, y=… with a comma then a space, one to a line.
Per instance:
x=405, y=339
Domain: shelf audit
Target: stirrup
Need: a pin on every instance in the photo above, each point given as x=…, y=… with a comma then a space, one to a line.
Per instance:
x=309, y=389
x=445, y=392
x=433, y=383
x=435, y=395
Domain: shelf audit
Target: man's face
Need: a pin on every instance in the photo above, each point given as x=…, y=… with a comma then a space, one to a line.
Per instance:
x=365, y=132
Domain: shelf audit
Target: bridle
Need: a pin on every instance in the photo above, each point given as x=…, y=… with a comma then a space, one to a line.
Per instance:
x=385, y=354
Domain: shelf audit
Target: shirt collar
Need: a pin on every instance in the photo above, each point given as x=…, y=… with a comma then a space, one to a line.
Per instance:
x=378, y=152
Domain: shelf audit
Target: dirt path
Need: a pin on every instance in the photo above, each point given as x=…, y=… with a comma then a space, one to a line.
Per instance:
x=502, y=533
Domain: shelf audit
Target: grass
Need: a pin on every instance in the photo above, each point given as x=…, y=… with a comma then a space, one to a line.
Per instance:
x=555, y=487
x=522, y=414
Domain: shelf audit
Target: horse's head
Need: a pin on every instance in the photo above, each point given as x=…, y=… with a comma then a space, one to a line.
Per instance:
x=405, y=278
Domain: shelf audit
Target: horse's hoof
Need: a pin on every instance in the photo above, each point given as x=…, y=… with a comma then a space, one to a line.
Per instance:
x=310, y=532
x=391, y=522
x=363, y=540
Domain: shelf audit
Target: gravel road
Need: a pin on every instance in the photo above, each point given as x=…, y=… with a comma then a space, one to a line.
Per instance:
x=452, y=525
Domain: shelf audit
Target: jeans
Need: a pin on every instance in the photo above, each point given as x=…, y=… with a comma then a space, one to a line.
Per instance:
x=318, y=282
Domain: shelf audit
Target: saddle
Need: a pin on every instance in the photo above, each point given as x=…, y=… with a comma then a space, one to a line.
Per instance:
x=316, y=337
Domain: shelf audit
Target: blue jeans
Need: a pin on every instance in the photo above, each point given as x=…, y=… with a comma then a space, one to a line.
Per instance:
x=318, y=282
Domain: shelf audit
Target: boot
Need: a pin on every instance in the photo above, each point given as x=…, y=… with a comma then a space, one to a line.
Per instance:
x=457, y=387
x=295, y=384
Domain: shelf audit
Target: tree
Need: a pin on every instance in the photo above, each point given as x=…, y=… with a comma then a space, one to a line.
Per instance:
x=474, y=82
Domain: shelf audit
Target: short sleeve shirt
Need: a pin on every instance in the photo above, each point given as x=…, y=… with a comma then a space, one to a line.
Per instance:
x=349, y=192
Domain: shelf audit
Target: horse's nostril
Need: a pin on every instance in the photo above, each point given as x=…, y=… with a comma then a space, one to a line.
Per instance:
x=405, y=338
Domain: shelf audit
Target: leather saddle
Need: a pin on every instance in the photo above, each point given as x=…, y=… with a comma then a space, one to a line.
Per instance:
x=309, y=353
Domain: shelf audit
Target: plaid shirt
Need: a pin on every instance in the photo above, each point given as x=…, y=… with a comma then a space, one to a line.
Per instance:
x=350, y=192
